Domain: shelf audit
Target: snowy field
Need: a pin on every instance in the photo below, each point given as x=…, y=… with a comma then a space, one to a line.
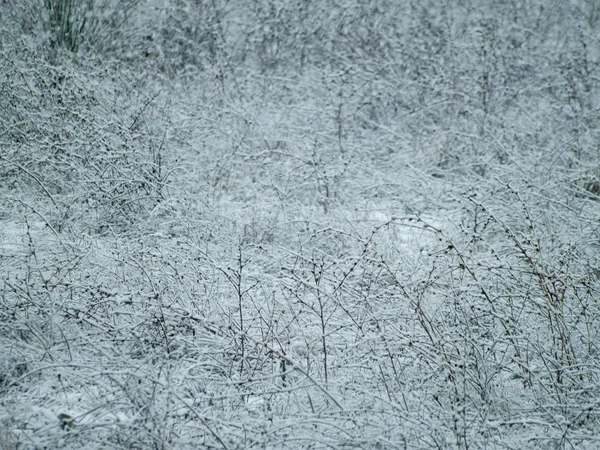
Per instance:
x=299, y=225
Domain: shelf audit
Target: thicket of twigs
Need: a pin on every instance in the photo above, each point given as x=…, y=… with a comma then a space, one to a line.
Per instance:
x=282, y=224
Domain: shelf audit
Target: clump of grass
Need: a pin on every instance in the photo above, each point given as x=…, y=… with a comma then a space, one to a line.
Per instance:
x=75, y=23
x=68, y=21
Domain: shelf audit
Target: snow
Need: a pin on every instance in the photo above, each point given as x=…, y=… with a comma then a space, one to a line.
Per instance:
x=282, y=224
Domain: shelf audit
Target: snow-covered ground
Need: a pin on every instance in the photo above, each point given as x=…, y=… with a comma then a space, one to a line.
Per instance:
x=289, y=225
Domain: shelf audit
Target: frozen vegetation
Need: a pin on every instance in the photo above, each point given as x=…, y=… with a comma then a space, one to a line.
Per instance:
x=281, y=224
